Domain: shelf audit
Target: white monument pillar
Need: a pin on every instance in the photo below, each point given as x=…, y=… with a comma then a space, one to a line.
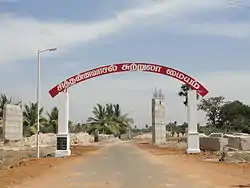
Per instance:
x=63, y=137
x=193, y=140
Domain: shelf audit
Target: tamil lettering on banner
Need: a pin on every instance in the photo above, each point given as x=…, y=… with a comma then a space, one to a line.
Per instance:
x=126, y=67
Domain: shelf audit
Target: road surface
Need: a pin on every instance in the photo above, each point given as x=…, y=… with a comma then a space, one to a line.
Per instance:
x=121, y=165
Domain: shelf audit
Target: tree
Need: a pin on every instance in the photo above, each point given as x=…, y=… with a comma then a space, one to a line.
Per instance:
x=212, y=107
x=231, y=116
x=77, y=127
x=171, y=127
x=184, y=93
x=177, y=130
x=208, y=129
x=71, y=126
x=100, y=122
x=51, y=125
x=122, y=122
x=30, y=118
x=184, y=128
x=235, y=116
x=108, y=119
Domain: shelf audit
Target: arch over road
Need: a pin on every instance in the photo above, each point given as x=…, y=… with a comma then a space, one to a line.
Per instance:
x=126, y=67
x=63, y=137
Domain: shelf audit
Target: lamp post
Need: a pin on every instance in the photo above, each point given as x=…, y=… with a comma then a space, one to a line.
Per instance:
x=38, y=95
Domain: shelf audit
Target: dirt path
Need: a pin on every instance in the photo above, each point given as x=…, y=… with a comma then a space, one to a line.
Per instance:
x=193, y=167
x=126, y=165
x=32, y=169
x=118, y=166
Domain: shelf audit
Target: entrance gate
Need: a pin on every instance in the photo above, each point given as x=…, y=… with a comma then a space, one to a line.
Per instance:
x=63, y=140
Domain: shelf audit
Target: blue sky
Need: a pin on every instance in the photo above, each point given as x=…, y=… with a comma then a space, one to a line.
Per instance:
x=208, y=39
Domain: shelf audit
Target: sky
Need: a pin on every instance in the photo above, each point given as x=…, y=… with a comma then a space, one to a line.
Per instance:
x=207, y=39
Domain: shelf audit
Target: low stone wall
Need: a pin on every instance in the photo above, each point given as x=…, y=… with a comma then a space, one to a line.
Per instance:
x=212, y=143
x=239, y=143
x=234, y=143
x=217, y=144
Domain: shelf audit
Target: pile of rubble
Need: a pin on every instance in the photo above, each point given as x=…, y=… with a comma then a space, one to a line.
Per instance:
x=47, y=140
x=81, y=139
x=144, y=136
x=103, y=137
x=50, y=139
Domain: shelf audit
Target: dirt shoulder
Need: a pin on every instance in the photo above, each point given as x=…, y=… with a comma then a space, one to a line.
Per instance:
x=201, y=167
x=32, y=168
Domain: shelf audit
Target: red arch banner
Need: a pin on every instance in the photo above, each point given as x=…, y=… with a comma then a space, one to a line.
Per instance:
x=126, y=67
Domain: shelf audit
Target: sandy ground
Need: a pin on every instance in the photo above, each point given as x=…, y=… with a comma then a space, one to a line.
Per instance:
x=121, y=165
x=10, y=158
x=201, y=167
x=126, y=165
x=29, y=169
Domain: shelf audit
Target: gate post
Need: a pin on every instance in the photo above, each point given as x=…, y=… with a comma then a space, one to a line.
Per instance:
x=193, y=140
x=63, y=137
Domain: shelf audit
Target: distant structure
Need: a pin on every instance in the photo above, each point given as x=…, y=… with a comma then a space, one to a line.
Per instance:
x=12, y=122
x=158, y=117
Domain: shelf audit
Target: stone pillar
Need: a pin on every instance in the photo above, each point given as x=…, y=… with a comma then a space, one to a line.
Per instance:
x=12, y=122
x=193, y=141
x=158, y=117
x=63, y=137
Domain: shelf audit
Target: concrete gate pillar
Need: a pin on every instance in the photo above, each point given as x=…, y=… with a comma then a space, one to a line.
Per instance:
x=193, y=140
x=158, y=117
x=63, y=137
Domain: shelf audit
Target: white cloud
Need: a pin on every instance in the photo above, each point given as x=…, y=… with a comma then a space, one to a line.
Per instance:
x=21, y=37
x=226, y=29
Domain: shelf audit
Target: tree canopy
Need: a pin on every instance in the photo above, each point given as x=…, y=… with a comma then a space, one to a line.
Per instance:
x=226, y=116
x=48, y=120
x=222, y=115
x=108, y=119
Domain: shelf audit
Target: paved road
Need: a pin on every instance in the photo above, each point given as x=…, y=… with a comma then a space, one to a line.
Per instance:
x=117, y=166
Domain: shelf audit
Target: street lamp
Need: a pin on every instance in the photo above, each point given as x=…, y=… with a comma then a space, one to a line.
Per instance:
x=38, y=95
